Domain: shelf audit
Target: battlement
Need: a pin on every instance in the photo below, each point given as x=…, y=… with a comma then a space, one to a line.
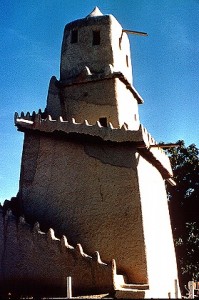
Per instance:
x=141, y=138
x=28, y=255
x=86, y=76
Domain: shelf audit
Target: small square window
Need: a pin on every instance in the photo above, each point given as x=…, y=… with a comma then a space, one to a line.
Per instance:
x=74, y=36
x=103, y=122
x=96, y=37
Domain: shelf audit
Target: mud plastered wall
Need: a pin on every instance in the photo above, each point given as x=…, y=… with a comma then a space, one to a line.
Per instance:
x=161, y=260
x=112, y=49
x=108, y=98
x=33, y=262
x=89, y=192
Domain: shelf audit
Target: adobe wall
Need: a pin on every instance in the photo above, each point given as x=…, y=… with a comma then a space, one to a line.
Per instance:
x=113, y=48
x=35, y=263
x=92, y=100
x=160, y=252
x=90, y=193
x=75, y=56
x=127, y=106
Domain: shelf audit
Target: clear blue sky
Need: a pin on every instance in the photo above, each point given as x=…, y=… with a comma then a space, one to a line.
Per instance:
x=165, y=66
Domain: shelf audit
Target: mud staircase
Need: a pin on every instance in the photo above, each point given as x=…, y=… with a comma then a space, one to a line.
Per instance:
x=125, y=290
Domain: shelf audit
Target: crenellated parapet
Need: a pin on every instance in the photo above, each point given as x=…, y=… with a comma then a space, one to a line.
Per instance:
x=86, y=76
x=141, y=138
x=31, y=258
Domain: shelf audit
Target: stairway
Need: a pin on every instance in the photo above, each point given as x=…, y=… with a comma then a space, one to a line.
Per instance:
x=129, y=290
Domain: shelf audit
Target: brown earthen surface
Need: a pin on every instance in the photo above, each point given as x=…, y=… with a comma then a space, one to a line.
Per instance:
x=90, y=193
x=35, y=263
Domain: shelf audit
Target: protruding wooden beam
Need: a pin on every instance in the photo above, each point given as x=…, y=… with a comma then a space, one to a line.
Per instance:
x=171, y=181
x=135, y=32
x=171, y=145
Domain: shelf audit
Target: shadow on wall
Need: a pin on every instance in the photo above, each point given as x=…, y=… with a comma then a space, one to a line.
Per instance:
x=34, y=262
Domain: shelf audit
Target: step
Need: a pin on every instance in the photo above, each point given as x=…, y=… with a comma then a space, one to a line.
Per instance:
x=130, y=294
x=136, y=286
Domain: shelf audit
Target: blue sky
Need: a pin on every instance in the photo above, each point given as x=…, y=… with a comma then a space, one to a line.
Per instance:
x=165, y=66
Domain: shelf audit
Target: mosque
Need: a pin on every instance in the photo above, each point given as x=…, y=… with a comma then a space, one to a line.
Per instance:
x=92, y=203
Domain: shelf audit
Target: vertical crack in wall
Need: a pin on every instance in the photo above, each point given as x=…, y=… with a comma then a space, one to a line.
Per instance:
x=101, y=194
x=100, y=190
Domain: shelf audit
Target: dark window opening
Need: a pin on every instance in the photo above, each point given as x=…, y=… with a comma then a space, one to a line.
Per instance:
x=74, y=36
x=103, y=122
x=120, y=43
x=127, y=60
x=96, y=37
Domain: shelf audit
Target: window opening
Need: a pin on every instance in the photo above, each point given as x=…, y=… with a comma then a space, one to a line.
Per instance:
x=96, y=37
x=103, y=121
x=127, y=60
x=74, y=36
x=120, y=40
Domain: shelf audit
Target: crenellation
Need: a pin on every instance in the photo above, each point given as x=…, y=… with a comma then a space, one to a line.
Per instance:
x=73, y=121
x=124, y=127
x=60, y=119
x=29, y=258
x=97, y=258
x=85, y=72
x=51, y=235
x=86, y=123
x=27, y=115
x=98, y=124
x=49, y=118
x=36, y=227
x=150, y=139
x=80, y=251
x=8, y=214
x=123, y=134
x=109, y=69
x=16, y=116
x=110, y=125
x=33, y=114
x=22, y=220
x=37, y=119
x=64, y=243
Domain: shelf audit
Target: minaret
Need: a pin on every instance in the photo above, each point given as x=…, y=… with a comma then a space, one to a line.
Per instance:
x=96, y=42
x=90, y=170
x=96, y=74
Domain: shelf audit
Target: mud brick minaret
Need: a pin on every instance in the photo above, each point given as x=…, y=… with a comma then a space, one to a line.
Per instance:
x=89, y=168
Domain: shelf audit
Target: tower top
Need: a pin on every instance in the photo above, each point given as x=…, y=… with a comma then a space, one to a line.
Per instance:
x=95, y=13
x=95, y=41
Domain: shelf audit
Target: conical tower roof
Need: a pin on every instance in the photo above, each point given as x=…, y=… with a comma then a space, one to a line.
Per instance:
x=95, y=13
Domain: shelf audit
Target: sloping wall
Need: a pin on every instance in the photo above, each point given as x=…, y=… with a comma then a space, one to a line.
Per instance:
x=160, y=252
x=89, y=192
x=35, y=262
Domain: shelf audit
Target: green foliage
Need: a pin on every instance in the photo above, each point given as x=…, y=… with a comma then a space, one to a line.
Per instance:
x=188, y=251
x=184, y=209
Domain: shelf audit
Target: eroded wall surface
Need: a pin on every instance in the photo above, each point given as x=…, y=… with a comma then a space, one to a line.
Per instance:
x=92, y=100
x=35, y=263
x=89, y=192
x=113, y=47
